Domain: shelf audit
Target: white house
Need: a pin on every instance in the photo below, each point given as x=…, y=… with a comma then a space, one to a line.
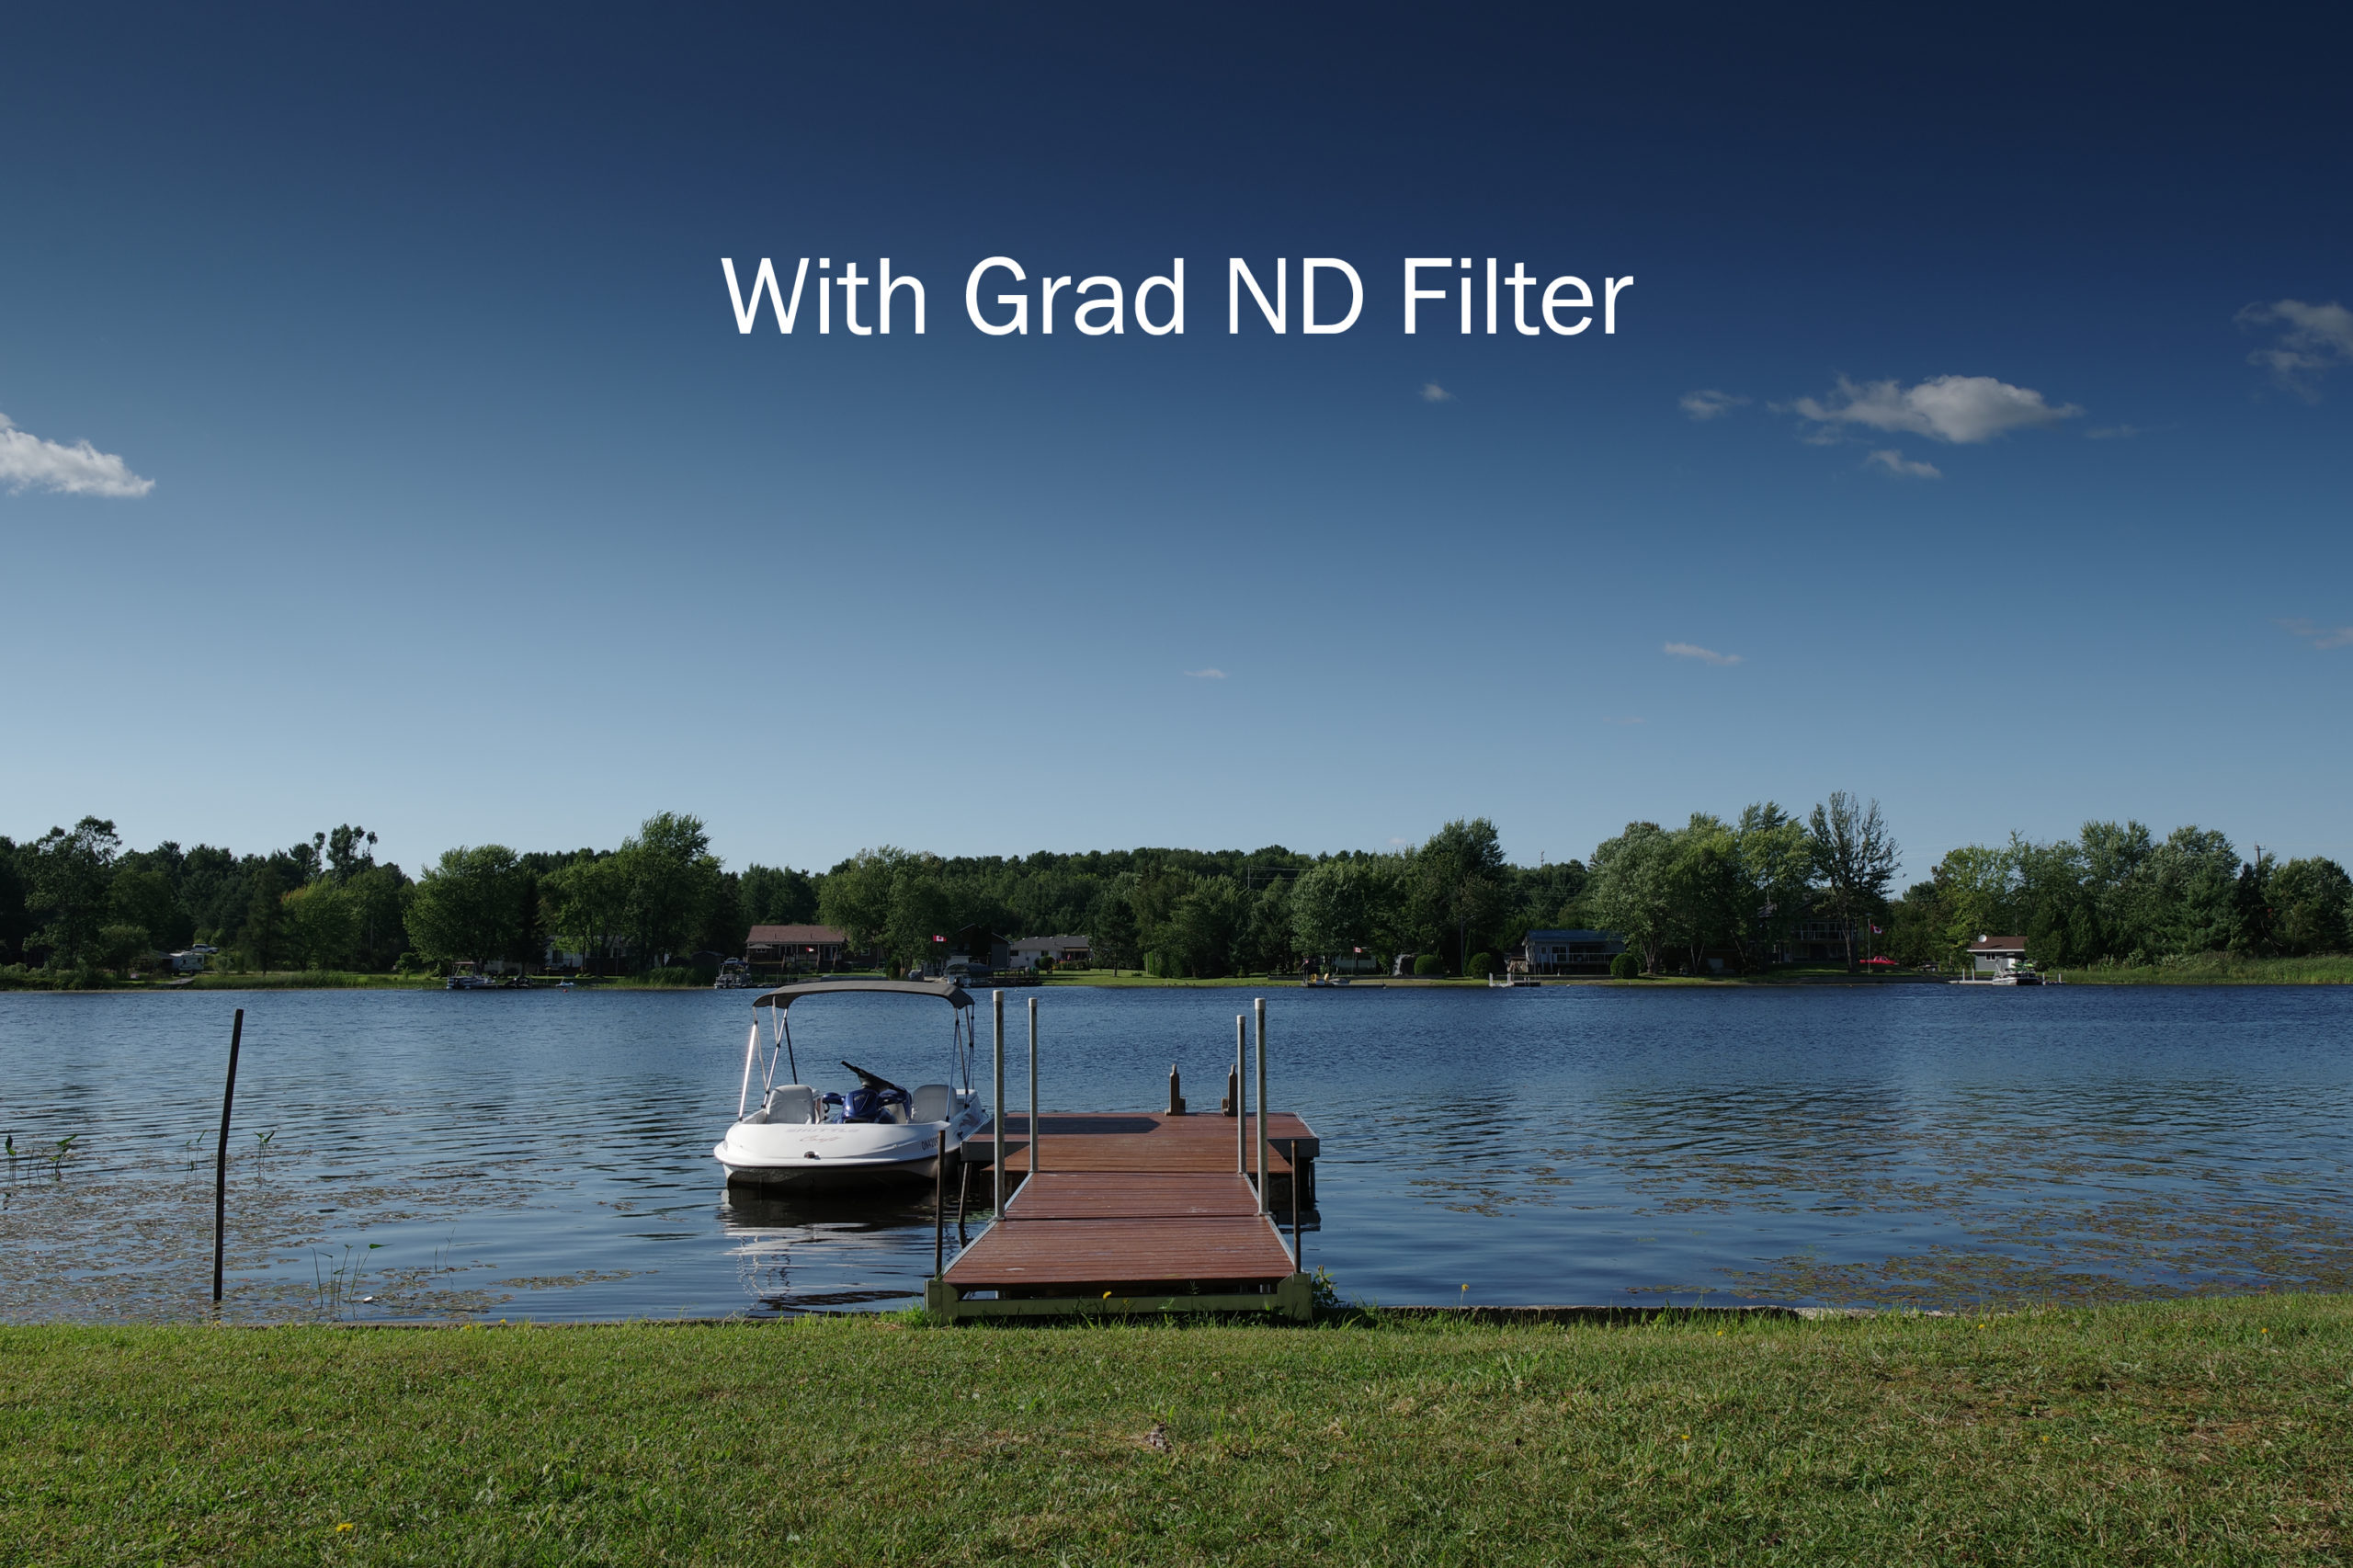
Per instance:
x=1997, y=955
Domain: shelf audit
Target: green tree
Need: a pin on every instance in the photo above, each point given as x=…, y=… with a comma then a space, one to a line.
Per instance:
x=141, y=896
x=855, y=897
x=1978, y=888
x=262, y=936
x=1112, y=931
x=1633, y=892
x=321, y=925
x=2309, y=902
x=72, y=874
x=1707, y=893
x=775, y=895
x=1854, y=857
x=585, y=906
x=16, y=921
x=467, y=906
x=1777, y=873
x=1460, y=888
x=674, y=883
x=380, y=897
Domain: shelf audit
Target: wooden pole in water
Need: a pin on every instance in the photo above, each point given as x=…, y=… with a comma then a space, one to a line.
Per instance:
x=1263, y=1195
x=1037, y=1139
x=1241, y=1100
x=939, y=1207
x=221, y=1160
x=996, y=1166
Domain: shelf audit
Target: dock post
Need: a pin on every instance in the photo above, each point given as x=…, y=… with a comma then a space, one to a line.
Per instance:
x=1241, y=1098
x=1261, y=1010
x=220, y=1161
x=939, y=1208
x=1037, y=1139
x=996, y=1166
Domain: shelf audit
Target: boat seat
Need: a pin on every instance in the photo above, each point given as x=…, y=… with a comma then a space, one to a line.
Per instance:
x=792, y=1103
x=928, y=1103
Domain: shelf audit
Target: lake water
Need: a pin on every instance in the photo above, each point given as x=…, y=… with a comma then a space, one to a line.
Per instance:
x=548, y=1155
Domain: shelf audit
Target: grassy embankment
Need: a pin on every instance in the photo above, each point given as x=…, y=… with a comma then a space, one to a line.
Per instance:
x=2220, y=969
x=2209, y=1431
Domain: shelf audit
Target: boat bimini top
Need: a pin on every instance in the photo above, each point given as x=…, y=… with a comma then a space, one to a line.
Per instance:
x=778, y=1000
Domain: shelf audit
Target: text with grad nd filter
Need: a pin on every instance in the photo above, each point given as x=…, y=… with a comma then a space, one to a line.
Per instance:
x=1101, y=305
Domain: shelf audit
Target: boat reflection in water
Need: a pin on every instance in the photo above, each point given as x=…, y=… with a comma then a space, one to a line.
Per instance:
x=800, y=1250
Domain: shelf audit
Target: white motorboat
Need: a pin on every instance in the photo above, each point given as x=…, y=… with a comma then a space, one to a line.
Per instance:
x=876, y=1134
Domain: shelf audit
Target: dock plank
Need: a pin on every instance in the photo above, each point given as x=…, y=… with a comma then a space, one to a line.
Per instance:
x=1069, y=1195
x=1062, y=1254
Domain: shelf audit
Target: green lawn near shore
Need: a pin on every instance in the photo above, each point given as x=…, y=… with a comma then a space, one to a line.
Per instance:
x=2200, y=1431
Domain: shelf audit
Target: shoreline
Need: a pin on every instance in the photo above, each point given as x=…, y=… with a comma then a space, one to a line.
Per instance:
x=2333, y=970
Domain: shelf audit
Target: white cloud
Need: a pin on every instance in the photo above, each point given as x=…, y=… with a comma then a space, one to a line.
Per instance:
x=1207, y=675
x=1433, y=393
x=2320, y=636
x=1896, y=463
x=1710, y=404
x=1960, y=409
x=1705, y=655
x=2315, y=340
x=29, y=462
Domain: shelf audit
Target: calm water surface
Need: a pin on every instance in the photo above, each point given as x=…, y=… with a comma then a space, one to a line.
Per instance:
x=548, y=1155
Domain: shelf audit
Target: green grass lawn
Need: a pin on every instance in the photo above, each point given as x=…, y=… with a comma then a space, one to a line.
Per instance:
x=2206, y=1431
x=2220, y=969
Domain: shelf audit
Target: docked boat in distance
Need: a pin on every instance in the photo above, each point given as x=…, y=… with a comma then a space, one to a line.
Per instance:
x=877, y=1134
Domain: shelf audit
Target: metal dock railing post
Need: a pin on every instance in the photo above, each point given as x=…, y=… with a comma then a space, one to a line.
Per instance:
x=996, y=1166
x=1261, y=1010
x=1036, y=1138
x=1240, y=1096
x=940, y=1206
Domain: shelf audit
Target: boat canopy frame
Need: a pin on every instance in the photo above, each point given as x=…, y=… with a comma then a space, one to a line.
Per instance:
x=963, y=1027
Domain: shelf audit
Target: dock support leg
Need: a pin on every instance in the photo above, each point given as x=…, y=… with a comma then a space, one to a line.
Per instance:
x=1295, y=1298
x=940, y=1299
x=1240, y=1097
x=997, y=1107
x=1264, y=1195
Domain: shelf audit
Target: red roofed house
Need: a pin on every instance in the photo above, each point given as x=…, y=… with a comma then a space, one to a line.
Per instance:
x=794, y=947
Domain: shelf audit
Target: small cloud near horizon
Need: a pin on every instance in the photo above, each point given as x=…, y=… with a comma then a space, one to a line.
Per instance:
x=1961, y=410
x=1433, y=393
x=2317, y=635
x=1896, y=463
x=2316, y=339
x=27, y=462
x=1207, y=675
x=1708, y=404
x=1705, y=655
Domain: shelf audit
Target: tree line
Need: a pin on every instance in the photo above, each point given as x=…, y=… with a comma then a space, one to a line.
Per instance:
x=1734, y=892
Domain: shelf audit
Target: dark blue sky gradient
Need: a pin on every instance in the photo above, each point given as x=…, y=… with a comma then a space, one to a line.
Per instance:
x=475, y=518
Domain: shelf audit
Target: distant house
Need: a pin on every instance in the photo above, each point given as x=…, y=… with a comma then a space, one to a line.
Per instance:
x=1568, y=952
x=795, y=946
x=976, y=950
x=188, y=960
x=1997, y=955
x=1025, y=954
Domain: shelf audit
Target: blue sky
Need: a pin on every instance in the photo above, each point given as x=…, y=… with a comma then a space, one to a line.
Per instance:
x=466, y=513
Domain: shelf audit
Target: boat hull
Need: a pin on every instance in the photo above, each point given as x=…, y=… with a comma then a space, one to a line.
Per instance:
x=841, y=1154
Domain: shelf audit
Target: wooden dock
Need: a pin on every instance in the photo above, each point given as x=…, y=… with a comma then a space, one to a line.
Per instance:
x=1143, y=1212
